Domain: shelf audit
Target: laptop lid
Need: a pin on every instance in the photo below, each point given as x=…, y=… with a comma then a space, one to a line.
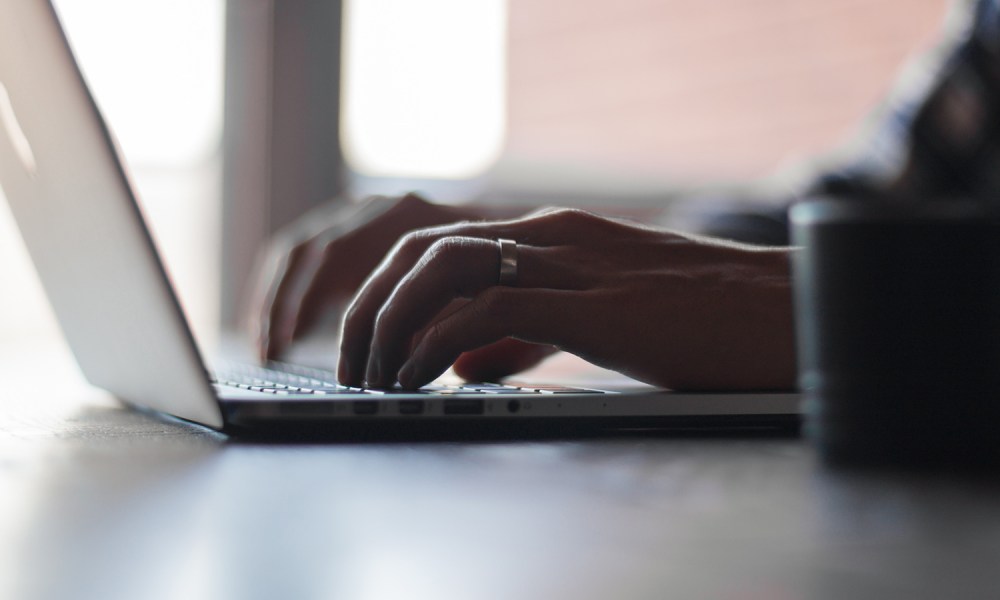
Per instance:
x=75, y=207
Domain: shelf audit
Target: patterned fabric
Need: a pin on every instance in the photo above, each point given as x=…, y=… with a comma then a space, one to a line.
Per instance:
x=936, y=137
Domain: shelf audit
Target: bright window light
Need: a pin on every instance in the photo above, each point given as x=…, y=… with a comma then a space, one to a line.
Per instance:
x=425, y=86
x=156, y=69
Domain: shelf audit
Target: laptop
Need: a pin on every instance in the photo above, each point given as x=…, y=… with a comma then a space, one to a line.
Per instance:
x=71, y=198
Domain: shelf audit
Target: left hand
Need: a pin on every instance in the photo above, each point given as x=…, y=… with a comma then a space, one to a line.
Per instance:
x=672, y=310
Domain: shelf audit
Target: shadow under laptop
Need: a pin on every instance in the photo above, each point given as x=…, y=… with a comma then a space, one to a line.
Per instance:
x=521, y=430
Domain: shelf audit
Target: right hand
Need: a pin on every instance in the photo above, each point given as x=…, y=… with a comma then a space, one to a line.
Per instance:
x=667, y=308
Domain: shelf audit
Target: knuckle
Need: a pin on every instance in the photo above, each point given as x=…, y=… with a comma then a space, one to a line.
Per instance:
x=405, y=241
x=298, y=236
x=568, y=217
x=412, y=244
x=577, y=215
x=410, y=199
x=544, y=210
x=296, y=251
x=306, y=253
x=443, y=249
x=330, y=247
x=288, y=238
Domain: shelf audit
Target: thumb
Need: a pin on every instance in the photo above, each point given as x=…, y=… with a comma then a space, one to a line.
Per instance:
x=499, y=359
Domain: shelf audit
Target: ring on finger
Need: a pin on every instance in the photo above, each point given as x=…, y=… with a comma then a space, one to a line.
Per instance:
x=508, y=262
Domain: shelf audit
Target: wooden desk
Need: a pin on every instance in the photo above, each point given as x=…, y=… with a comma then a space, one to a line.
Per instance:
x=102, y=502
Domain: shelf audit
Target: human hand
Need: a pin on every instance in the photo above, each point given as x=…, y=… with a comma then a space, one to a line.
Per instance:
x=672, y=310
x=316, y=265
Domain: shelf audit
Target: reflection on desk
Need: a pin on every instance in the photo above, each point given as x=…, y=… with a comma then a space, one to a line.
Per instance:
x=102, y=502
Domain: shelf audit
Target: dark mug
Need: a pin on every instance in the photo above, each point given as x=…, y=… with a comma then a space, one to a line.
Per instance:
x=898, y=325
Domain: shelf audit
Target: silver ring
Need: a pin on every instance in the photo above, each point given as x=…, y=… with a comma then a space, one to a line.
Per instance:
x=508, y=262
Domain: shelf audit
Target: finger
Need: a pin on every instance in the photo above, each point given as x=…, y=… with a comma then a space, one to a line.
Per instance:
x=291, y=268
x=534, y=315
x=352, y=250
x=359, y=318
x=283, y=275
x=300, y=267
x=258, y=308
x=453, y=267
x=500, y=359
x=553, y=228
x=317, y=293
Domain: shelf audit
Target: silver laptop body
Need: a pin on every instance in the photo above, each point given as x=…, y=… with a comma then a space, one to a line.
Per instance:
x=70, y=194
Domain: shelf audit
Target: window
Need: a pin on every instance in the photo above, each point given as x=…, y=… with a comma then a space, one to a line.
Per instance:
x=525, y=95
x=424, y=86
x=674, y=91
x=155, y=68
x=700, y=90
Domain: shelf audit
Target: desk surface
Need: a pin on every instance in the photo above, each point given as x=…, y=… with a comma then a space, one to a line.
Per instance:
x=102, y=502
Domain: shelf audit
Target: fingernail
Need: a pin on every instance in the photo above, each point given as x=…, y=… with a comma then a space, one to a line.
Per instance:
x=344, y=372
x=406, y=374
x=373, y=375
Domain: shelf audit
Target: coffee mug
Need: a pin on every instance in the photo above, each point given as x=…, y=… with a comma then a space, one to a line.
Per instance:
x=898, y=330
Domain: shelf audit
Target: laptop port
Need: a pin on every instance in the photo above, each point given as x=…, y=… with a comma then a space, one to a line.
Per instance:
x=463, y=407
x=364, y=407
x=411, y=407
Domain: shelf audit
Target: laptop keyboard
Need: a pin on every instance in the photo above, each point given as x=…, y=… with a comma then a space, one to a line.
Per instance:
x=284, y=379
